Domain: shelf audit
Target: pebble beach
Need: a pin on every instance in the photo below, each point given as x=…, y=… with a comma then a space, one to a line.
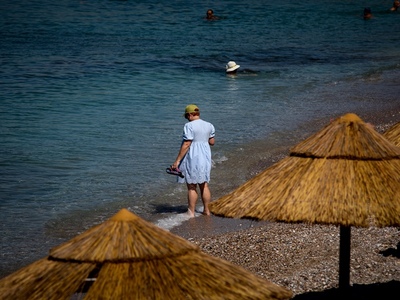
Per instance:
x=305, y=257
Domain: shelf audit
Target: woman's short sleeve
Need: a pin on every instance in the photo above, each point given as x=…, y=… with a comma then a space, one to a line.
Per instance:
x=212, y=133
x=188, y=132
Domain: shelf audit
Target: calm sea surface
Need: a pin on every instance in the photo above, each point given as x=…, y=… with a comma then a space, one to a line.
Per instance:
x=92, y=95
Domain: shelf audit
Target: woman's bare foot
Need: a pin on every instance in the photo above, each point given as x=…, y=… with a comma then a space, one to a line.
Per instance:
x=190, y=213
x=206, y=212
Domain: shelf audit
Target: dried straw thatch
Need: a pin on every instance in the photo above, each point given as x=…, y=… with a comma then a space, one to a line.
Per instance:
x=129, y=258
x=347, y=174
x=393, y=134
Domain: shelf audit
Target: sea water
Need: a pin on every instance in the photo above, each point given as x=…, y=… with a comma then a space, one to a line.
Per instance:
x=92, y=95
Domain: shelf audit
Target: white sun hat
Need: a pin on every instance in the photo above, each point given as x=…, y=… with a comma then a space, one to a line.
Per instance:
x=231, y=66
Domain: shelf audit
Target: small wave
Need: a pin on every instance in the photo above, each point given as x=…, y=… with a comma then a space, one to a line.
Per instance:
x=175, y=220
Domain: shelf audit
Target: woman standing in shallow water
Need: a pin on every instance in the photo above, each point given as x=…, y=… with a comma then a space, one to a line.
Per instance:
x=194, y=158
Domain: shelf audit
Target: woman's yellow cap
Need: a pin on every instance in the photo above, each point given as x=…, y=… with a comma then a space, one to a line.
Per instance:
x=191, y=108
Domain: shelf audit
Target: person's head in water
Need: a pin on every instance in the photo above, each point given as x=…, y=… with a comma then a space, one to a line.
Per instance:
x=396, y=5
x=231, y=67
x=367, y=13
x=210, y=15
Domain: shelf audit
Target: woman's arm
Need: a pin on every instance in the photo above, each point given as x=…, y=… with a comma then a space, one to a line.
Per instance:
x=182, y=152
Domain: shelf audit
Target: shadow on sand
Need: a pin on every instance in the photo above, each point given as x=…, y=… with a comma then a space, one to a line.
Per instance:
x=392, y=251
x=387, y=290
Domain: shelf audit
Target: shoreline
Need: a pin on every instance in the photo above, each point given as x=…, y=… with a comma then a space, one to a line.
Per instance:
x=267, y=156
x=304, y=257
x=214, y=231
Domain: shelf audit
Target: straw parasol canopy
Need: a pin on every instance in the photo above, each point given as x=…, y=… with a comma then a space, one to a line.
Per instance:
x=393, y=134
x=347, y=174
x=129, y=258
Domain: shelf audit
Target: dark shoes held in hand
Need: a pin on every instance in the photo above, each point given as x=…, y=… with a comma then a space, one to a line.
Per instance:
x=175, y=171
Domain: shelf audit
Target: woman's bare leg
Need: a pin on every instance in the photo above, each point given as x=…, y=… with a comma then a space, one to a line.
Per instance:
x=205, y=197
x=192, y=199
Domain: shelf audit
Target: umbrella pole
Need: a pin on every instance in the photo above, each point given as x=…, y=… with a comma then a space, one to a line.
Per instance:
x=344, y=257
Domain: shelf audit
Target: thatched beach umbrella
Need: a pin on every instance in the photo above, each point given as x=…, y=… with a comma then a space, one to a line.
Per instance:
x=347, y=174
x=393, y=134
x=130, y=258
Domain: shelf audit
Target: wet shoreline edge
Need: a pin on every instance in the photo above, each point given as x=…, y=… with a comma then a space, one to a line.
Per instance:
x=213, y=226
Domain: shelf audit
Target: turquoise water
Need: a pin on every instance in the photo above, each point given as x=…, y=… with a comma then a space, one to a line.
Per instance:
x=92, y=95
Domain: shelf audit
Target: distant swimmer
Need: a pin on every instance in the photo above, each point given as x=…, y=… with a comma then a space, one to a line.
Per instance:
x=396, y=5
x=210, y=15
x=231, y=67
x=367, y=13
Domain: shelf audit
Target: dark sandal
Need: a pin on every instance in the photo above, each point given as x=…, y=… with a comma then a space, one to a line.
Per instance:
x=176, y=172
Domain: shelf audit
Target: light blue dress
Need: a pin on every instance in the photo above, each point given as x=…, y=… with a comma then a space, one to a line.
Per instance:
x=196, y=164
